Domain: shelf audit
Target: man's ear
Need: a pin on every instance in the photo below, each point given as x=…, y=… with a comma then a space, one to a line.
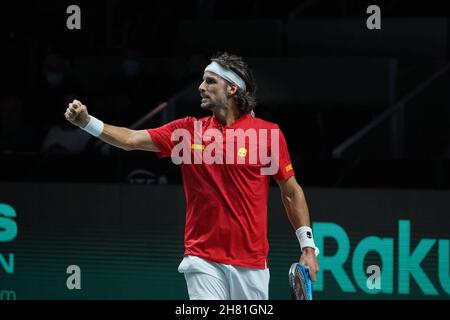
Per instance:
x=232, y=89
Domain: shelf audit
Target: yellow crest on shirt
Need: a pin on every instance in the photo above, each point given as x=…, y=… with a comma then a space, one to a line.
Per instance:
x=242, y=152
x=198, y=146
x=289, y=167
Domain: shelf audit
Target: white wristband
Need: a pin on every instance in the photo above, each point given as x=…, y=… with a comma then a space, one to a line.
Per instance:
x=94, y=127
x=305, y=237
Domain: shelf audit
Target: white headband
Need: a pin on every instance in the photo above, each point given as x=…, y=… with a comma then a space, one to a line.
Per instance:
x=227, y=74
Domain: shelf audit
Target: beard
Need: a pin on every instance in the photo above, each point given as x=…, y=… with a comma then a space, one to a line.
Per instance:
x=209, y=104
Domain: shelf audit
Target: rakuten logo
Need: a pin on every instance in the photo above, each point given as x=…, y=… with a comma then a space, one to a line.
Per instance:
x=8, y=232
x=408, y=261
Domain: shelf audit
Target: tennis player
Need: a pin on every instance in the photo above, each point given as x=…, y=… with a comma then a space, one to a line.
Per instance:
x=226, y=185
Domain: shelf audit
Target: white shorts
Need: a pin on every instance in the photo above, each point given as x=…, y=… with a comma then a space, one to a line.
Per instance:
x=207, y=280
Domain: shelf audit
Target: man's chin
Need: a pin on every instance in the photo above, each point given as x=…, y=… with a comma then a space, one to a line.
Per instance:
x=206, y=106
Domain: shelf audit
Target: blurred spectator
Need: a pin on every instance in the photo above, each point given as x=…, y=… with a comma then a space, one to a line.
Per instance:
x=134, y=89
x=16, y=134
x=56, y=84
x=62, y=139
x=205, y=9
x=143, y=176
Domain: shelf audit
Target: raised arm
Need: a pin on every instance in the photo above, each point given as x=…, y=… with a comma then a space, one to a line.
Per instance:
x=120, y=137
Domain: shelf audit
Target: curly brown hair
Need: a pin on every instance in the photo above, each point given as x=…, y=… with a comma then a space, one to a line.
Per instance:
x=245, y=100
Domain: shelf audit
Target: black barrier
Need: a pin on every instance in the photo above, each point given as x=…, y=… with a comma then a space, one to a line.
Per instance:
x=113, y=241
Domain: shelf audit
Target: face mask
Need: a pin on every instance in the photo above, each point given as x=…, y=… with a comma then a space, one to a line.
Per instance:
x=131, y=67
x=54, y=79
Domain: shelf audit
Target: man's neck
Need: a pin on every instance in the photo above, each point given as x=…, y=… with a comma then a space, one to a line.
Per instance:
x=226, y=116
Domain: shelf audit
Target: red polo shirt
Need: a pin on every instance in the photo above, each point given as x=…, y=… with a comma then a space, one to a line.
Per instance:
x=226, y=203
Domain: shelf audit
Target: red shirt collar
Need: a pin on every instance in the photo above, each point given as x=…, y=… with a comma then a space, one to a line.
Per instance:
x=236, y=123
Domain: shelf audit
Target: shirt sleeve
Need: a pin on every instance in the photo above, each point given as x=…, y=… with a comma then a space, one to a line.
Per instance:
x=162, y=136
x=285, y=169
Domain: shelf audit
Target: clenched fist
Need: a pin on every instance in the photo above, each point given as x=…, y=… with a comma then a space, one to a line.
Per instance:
x=77, y=114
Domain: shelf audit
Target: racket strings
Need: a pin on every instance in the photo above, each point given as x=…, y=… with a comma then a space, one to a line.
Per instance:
x=299, y=284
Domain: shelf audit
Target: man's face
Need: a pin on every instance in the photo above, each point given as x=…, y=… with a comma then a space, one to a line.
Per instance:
x=213, y=91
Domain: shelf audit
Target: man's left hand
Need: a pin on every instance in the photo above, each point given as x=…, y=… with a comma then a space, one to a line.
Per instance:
x=309, y=259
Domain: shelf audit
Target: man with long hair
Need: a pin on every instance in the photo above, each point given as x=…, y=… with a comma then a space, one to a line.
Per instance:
x=227, y=160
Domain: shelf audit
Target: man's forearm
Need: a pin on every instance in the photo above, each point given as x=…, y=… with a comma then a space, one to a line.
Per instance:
x=117, y=136
x=120, y=137
x=298, y=214
x=296, y=208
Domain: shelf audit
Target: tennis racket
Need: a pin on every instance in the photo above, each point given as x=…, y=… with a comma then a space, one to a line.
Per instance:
x=300, y=282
